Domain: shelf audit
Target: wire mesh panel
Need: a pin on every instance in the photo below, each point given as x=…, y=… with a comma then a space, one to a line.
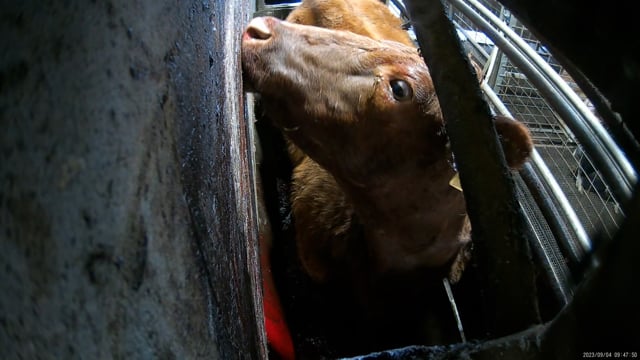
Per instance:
x=588, y=194
x=574, y=171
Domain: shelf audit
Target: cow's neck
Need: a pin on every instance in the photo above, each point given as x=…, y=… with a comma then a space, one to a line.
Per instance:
x=413, y=219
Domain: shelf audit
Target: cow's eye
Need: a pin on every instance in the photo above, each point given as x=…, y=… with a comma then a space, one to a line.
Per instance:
x=401, y=90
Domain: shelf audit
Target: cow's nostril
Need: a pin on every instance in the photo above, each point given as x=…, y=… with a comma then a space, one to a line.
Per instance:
x=258, y=29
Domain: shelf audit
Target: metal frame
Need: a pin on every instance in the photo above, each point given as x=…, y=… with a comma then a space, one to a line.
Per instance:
x=618, y=171
x=538, y=169
x=620, y=175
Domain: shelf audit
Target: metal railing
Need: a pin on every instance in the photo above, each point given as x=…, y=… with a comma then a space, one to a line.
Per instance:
x=521, y=77
x=583, y=123
x=578, y=176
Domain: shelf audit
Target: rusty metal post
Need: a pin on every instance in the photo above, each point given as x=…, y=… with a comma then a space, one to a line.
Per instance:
x=499, y=232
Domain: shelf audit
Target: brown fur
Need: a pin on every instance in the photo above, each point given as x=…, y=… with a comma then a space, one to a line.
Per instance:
x=375, y=159
x=364, y=17
x=371, y=193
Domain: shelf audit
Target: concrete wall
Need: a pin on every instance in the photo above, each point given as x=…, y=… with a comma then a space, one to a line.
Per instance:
x=127, y=221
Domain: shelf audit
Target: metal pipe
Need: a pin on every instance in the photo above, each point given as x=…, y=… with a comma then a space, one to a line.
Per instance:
x=619, y=130
x=500, y=233
x=474, y=43
x=619, y=186
x=400, y=6
x=589, y=118
x=454, y=308
x=491, y=75
x=541, y=169
x=558, y=274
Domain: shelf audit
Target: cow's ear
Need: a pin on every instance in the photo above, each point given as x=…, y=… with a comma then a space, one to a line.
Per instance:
x=516, y=140
x=476, y=68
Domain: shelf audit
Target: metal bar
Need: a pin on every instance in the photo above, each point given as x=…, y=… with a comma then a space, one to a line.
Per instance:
x=589, y=118
x=500, y=232
x=400, y=6
x=622, y=188
x=540, y=167
x=474, y=43
x=491, y=74
x=559, y=276
x=619, y=130
x=454, y=308
x=279, y=10
x=602, y=314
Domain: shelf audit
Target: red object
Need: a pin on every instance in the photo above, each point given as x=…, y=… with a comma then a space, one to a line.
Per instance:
x=278, y=334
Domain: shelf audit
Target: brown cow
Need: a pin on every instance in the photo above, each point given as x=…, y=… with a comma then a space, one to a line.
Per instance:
x=372, y=200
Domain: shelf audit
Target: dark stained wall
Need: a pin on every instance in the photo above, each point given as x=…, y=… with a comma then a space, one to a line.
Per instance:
x=127, y=222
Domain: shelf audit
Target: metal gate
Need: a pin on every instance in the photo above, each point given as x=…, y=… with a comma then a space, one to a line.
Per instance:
x=574, y=188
